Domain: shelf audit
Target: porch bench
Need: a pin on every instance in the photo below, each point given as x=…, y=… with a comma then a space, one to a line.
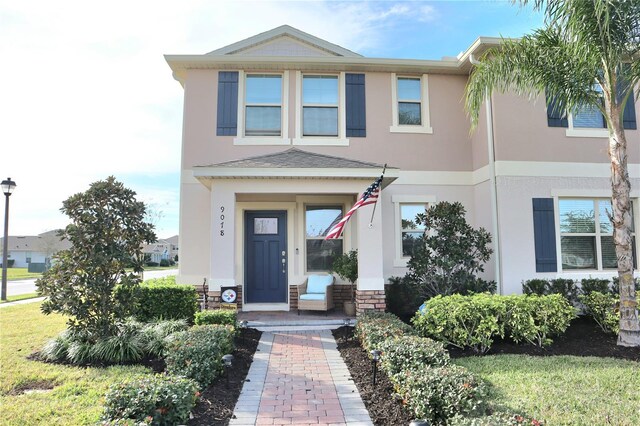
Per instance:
x=316, y=293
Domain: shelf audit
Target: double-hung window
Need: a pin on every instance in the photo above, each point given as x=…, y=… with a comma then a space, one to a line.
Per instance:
x=320, y=254
x=263, y=105
x=410, y=109
x=586, y=235
x=320, y=95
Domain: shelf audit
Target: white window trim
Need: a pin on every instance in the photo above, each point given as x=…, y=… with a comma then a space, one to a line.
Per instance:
x=425, y=111
x=397, y=199
x=584, y=132
x=341, y=139
x=283, y=139
x=560, y=194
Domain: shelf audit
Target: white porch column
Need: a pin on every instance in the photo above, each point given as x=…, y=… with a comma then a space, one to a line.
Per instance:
x=223, y=228
x=370, y=292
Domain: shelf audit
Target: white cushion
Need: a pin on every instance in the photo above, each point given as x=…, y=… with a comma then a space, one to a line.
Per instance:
x=318, y=283
x=312, y=296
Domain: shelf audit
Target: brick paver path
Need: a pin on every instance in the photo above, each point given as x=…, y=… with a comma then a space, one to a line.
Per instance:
x=299, y=378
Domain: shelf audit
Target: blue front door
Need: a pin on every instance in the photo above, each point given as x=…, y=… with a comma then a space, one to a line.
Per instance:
x=265, y=256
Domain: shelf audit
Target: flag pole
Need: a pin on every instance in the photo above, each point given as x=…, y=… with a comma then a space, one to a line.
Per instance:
x=376, y=204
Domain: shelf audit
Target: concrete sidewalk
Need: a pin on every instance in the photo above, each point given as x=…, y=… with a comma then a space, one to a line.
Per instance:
x=299, y=378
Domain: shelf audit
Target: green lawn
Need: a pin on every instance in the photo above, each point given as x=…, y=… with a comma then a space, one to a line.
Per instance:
x=21, y=274
x=77, y=394
x=19, y=297
x=563, y=390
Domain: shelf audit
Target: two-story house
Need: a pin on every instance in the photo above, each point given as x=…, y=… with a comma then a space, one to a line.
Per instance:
x=283, y=131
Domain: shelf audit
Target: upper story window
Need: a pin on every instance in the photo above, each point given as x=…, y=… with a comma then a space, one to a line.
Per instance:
x=263, y=105
x=410, y=104
x=320, y=105
x=410, y=229
x=586, y=234
x=409, y=101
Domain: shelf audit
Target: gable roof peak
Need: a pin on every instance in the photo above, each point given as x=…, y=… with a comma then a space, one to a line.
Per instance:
x=284, y=31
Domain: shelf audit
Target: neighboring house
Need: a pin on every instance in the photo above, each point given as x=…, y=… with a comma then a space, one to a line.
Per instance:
x=34, y=249
x=163, y=249
x=283, y=131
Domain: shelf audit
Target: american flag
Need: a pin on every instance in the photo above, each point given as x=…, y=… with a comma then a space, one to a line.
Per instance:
x=370, y=196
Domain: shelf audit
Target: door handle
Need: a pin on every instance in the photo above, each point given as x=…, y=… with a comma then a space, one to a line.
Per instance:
x=283, y=263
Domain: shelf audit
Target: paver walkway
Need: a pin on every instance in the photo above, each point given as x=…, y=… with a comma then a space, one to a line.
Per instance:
x=299, y=378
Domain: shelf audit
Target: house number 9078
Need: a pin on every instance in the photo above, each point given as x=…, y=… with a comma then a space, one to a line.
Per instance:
x=222, y=221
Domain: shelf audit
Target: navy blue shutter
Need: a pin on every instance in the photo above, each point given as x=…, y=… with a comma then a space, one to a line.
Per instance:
x=544, y=232
x=629, y=115
x=227, y=124
x=356, y=106
x=555, y=117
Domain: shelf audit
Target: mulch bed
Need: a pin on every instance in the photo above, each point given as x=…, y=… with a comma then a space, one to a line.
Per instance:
x=582, y=338
x=216, y=404
x=384, y=408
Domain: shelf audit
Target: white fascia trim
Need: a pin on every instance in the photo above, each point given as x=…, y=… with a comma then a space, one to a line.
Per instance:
x=293, y=172
x=310, y=141
x=265, y=140
x=559, y=169
x=482, y=174
x=589, y=193
x=186, y=177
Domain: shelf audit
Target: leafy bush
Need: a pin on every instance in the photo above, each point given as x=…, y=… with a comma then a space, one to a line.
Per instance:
x=447, y=260
x=411, y=352
x=463, y=321
x=564, y=287
x=151, y=264
x=165, y=262
x=604, y=309
x=589, y=285
x=373, y=328
x=535, y=286
x=197, y=353
x=346, y=266
x=216, y=317
x=126, y=345
x=535, y=319
x=437, y=394
x=162, y=298
x=401, y=297
x=159, y=400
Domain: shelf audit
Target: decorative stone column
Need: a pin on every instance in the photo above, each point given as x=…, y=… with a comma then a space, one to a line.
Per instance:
x=370, y=291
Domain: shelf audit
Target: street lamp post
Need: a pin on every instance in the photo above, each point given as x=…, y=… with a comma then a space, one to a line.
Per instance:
x=7, y=187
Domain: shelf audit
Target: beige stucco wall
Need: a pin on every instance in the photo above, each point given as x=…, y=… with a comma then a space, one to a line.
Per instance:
x=522, y=134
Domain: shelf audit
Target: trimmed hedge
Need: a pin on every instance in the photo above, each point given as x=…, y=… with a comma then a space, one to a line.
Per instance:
x=162, y=298
x=535, y=319
x=373, y=328
x=158, y=400
x=463, y=321
x=474, y=321
x=216, y=317
x=197, y=353
x=604, y=309
x=412, y=352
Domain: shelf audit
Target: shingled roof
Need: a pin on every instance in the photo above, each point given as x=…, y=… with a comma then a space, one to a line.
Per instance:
x=294, y=158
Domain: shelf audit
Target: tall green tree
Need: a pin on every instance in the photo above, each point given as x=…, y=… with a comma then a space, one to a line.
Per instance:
x=107, y=231
x=587, y=55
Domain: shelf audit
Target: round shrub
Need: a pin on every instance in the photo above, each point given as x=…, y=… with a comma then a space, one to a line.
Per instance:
x=373, y=328
x=437, y=394
x=216, y=317
x=162, y=299
x=154, y=335
x=159, y=400
x=535, y=319
x=604, y=309
x=463, y=321
x=197, y=353
x=412, y=352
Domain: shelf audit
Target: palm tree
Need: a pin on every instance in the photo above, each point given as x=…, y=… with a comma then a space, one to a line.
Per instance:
x=587, y=55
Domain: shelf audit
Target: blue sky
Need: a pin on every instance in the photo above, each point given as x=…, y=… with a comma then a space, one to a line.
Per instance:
x=86, y=92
